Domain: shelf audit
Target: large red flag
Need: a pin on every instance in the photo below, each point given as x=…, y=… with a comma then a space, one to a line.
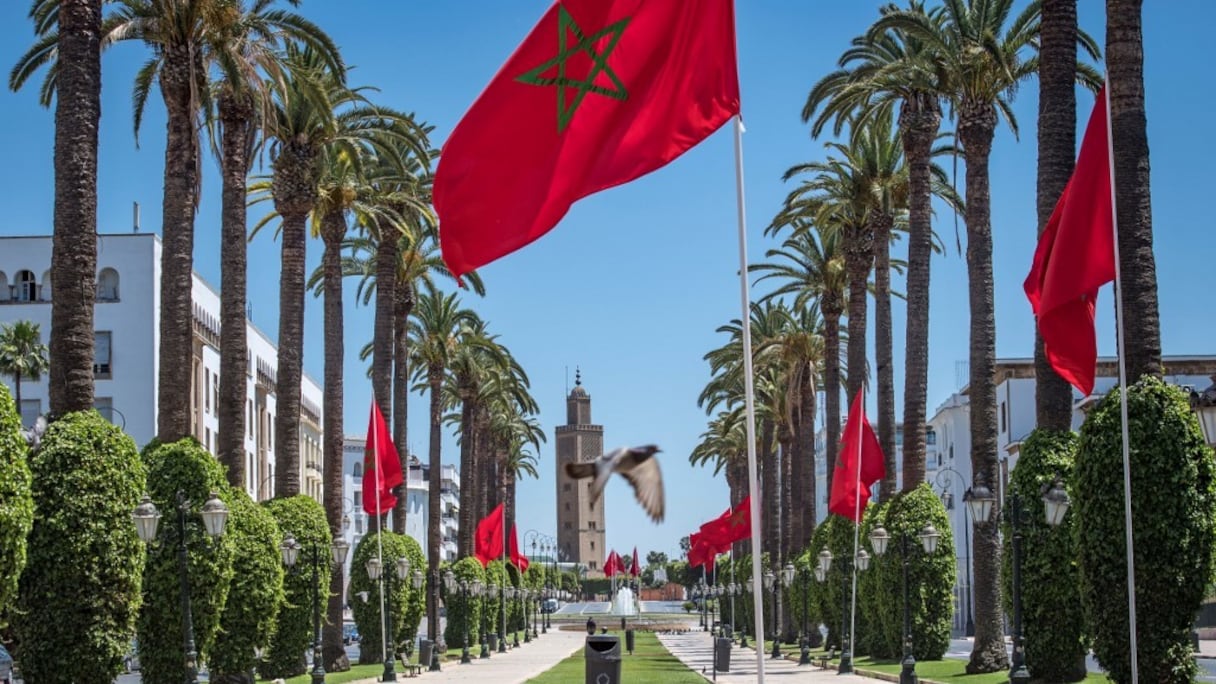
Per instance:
x=599, y=93
x=733, y=525
x=635, y=568
x=381, y=466
x=517, y=559
x=1076, y=256
x=851, y=485
x=487, y=544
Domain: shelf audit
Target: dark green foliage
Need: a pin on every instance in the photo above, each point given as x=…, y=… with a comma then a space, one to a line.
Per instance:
x=404, y=603
x=1052, y=618
x=930, y=578
x=302, y=517
x=16, y=502
x=515, y=608
x=1172, y=502
x=836, y=535
x=881, y=636
x=255, y=595
x=85, y=560
x=182, y=466
x=464, y=609
x=495, y=577
x=801, y=594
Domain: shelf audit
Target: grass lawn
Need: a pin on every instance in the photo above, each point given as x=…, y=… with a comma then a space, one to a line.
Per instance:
x=948, y=670
x=649, y=664
x=356, y=672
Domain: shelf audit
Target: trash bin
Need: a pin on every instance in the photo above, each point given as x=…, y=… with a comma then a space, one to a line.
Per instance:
x=629, y=641
x=602, y=659
x=424, y=652
x=722, y=654
x=493, y=639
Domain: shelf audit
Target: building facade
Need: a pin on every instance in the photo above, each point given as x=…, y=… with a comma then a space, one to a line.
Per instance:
x=127, y=329
x=580, y=522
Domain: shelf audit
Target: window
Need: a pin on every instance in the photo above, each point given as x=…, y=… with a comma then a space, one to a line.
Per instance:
x=107, y=285
x=592, y=546
x=27, y=286
x=1002, y=417
x=104, y=406
x=930, y=437
x=215, y=391
x=591, y=524
x=207, y=390
x=358, y=499
x=566, y=487
x=591, y=564
x=567, y=505
x=357, y=471
x=359, y=524
x=44, y=292
x=249, y=419
x=30, y=410
x=207, y=441
x=101, y=354
x=567, y=525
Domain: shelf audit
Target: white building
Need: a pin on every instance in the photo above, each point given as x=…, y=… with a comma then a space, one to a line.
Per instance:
x=127, y=322
x=949, y=467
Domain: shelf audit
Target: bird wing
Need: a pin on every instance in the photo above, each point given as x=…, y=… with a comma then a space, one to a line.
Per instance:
x=643, y=474
x=580, y=470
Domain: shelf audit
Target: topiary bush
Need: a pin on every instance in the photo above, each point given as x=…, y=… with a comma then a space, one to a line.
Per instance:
x=803, y=609
x=515, y=608
x=80, y=592
x=463, y=609
x=303, y=518
x=405, y=604
x=183, y=466
x=881, y=636
x=16, y=502
x=930, y=578
x=256, y=593
x=1172, y=501
x=1053, y=621
x=836, y=535
x=495, y=578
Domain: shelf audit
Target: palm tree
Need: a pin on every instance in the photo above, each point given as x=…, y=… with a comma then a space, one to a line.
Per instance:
x=70, y=39
x=22, y=354
x=1138, y=269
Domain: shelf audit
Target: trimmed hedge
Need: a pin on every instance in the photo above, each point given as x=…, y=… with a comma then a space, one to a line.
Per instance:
x=249, y=616
x=80, y=592
x=182, y=466
x=462, y=607
x=882, y=635
x=302, y=517
x=405, y=604
x=495, y=577
x=836, y=535
x=1053, y=621
x=16, y=502
x=1172, y=500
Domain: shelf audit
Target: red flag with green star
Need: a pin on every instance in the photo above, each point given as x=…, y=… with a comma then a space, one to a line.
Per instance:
x=381, y=466
x=599, y=93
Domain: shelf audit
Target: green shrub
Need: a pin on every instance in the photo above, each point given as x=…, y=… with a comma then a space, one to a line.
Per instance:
x=836, y=535
x=80, y=592
x=405, y=604
x=16, y=502
x=462, y=607
x=881, y=635
x=303, y=518
x=1052, y=618
x=515, y=607
x=255, y=595
x=183, y=466
x=1172, y=500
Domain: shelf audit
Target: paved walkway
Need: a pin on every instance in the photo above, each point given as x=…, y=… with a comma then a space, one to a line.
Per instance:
x=515, y=666
x=695, y=650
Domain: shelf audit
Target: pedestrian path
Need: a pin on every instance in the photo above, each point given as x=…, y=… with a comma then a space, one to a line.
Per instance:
x=515, y=666
x=695, y=649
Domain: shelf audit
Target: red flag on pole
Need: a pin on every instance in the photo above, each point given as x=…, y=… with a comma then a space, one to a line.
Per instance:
x=599, y=93
x=852, y=481
x=487, y=543
x=635, y=568
x=517, y=559
x=381, y=466
x=1075, y=256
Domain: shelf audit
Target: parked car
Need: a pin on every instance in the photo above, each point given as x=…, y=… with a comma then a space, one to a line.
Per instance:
x=6, y=666
x=549, y=606
x=350, y=633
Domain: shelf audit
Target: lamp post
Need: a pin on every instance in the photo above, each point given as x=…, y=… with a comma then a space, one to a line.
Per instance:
x=928, y=539
x=375, y=573
x=969, y=627
x=804, y=574
x=748, y=586
x=215, y=515
x=526, y=600
x=845, y=564
x=769, y=581
x=483, y=591
x=290, y=549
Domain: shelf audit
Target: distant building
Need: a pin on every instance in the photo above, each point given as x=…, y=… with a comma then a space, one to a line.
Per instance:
x=127, y=327
x=580, y=523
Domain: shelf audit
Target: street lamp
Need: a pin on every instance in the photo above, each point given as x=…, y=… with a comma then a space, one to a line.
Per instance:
x=804, y=574
x=969, y=627
x=771, y=583
x=483, y=592
x=928, y=539
x=375, y=573
x=146, y=518
x=845, y=564
x=748, y=586
x=526, y=601
x=290, y=549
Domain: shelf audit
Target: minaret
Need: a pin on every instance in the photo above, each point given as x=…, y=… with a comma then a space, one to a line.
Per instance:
x=580, y=525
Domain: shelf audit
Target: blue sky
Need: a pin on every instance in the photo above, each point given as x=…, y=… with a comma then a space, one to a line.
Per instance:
x=632, y=284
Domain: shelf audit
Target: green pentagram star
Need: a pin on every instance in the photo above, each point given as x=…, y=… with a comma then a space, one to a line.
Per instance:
x=585, y=43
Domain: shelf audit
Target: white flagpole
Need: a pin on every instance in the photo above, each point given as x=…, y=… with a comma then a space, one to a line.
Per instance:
x=856, y=529
x=380, y=530
x=1127, y=464
x=753, y=480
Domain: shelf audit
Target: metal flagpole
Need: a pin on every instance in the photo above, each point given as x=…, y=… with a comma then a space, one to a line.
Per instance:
x=1127, y=466
x=379, y=527
x=753, y=483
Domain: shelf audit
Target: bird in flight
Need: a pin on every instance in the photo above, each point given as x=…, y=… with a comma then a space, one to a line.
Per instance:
x=637, y=465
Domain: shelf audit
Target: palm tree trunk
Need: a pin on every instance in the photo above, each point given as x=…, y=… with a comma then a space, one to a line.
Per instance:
x=1057, y=146
x=831, y=385
x=468, y=486
x=435, y=379
x=767, y=458
x=785, y=487
x=976, y=125
x=806, y=500
x=404, y=304
x=883, y=352
x=74, y=245
x=173, y=415
x=382, y=336
x=235, y=115
x=795, y=503
x=737, y=478
x=17, y=391
x=859, y=258
x=919, y=120
x=333, y=232
x=1138, y=269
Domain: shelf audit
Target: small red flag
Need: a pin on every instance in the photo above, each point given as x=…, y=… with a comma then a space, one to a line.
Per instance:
x=1075, y=256
x=612, y=564
x=599, y=93
x=381, y=466
x=517, y=559
x=850, y=484
x=487, y=545
x=635, y=568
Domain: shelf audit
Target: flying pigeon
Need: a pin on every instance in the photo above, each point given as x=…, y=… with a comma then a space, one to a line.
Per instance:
x=635, y=464
x=33, y=436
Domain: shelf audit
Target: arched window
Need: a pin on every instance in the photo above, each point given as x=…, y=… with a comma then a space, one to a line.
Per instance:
x=4, y=293
x=27, y=286
x=44, y=294
x=357, y=471
x=107, y=285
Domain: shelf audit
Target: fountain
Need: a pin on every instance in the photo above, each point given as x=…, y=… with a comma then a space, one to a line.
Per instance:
x=624, y=603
